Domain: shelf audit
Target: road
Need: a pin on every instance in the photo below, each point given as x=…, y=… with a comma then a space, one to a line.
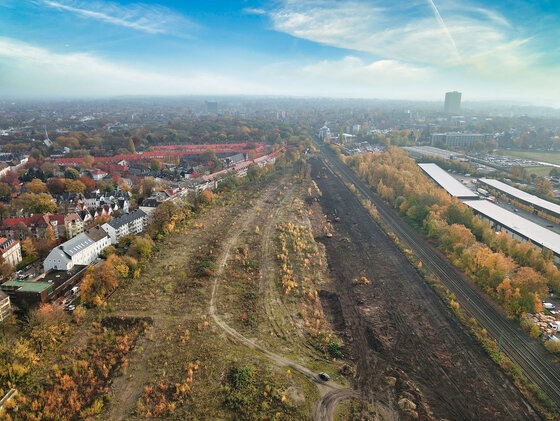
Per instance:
x=535, y=362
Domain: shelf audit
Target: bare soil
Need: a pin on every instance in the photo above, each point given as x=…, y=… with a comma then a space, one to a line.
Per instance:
x=405, y=343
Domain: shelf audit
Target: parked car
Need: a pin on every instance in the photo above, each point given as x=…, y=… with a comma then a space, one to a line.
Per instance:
x=548, y=306
x=324, y=376
x=70, y=308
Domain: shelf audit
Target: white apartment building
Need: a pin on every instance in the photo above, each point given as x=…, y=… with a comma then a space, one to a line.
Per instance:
x=83, y=249
x=129, y=223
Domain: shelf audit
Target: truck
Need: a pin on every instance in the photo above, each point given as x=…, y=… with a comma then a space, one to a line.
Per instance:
x=482, y=192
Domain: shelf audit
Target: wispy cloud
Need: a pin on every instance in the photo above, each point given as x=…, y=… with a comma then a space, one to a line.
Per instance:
x=29, y=68
x=152, y=19
x=254, y=11
x=406, y=31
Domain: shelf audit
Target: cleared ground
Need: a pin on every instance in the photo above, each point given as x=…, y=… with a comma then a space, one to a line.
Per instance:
x=404, y=341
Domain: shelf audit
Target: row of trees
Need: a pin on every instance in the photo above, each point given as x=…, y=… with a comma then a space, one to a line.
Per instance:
x=516, y=274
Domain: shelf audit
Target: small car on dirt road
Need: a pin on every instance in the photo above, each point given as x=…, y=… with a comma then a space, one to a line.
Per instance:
x=324, y=376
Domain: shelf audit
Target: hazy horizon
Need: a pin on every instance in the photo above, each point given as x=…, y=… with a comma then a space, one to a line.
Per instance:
x=309, y=48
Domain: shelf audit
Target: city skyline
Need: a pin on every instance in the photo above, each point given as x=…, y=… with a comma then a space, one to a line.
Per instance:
x=417, y=51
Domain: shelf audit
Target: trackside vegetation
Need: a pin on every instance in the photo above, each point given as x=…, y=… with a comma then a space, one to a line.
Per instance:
x=515, y=274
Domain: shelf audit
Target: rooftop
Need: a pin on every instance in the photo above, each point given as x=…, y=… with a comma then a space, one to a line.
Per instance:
x=76, y=244
x=96, y=233
x=537, y=234
x=58, y=277
x=520, y=194
x=449, y=183
x=126, y=218
x=28, y=286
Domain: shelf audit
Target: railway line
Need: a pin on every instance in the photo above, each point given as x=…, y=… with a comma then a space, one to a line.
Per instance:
x=535, y=362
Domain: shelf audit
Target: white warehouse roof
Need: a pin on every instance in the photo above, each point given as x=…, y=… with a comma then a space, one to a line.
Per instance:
x=534, y=232
x=449, y=183
x=520, y=194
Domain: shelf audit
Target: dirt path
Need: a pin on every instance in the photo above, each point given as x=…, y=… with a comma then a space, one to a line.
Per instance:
x=330, y=393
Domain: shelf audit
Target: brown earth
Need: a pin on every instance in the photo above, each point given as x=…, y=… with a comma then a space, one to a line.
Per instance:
x=408, y=347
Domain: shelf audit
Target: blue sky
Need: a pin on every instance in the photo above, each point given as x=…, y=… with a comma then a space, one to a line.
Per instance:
x=404, y=49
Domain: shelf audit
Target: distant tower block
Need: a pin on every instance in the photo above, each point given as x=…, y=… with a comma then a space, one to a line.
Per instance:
x=48, y=143
x=211, y=107
x=452, y=102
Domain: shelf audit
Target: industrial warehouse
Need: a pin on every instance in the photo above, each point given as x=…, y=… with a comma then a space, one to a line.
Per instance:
x=501, y=219
x=524, y=200
x=518, y=227
x=448, y=182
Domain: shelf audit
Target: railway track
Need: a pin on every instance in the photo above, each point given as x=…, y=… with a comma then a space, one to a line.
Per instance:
x=535, y=362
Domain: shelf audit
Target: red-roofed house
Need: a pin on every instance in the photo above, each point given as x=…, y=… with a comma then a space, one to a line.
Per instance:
x=15, y=228
x=10, y=251
x=98, y=174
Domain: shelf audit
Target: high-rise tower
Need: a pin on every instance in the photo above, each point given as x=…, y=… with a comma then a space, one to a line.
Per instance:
x=452, y=102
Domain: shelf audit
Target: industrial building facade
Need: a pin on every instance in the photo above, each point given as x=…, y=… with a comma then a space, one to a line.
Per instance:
x=460, y=139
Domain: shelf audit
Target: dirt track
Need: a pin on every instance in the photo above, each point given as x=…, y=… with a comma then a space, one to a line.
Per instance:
x=330, y=393
x=398, y=328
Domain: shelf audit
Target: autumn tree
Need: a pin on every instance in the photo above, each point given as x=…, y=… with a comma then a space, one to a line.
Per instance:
x=29, y=249
x=36, y=186
x=72, y=174
x=74, y=186
x=56, y=186
x=48, y=169
x=544, y=188
x=88, y=161
x=5, y=190
x=87, y=182
x=148, y=185
x=6, y=269
x=131, y=146
x=34, y=203
x=155, y=165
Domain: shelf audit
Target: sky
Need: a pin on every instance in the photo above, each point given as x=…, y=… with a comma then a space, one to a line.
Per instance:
x=387, y=49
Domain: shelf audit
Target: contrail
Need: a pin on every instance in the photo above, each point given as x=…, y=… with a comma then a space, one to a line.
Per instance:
x=442, y=23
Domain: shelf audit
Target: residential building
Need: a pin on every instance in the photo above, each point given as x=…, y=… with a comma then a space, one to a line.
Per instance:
x=73, y=224
x=98, y=174
x=35, y=225
x=5, y=306
x=129, y=223
x=10, y=251
x=452, y=102
x=83, y=249
x=148, y=206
